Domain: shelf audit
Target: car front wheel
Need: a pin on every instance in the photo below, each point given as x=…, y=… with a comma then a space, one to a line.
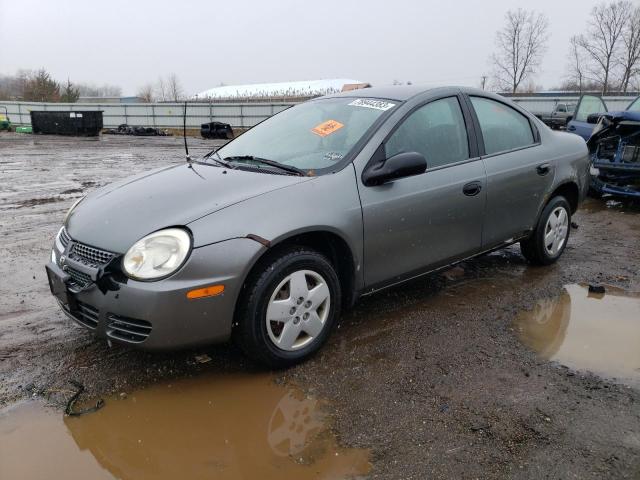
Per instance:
x=550, y=237
x=289, y=307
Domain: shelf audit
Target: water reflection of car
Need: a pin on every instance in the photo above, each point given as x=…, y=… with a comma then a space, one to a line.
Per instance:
x=588, y=112
x=222, y=428
x=544, y=328
x=267, y=239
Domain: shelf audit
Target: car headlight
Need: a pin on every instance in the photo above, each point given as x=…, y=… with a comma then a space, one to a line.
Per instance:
x=157, y=255
x=66, y=217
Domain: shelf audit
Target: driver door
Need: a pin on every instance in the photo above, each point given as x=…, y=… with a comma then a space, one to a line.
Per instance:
x=419, y=223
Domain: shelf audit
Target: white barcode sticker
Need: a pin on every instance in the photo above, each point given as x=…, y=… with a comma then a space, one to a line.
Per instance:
x=372, y=103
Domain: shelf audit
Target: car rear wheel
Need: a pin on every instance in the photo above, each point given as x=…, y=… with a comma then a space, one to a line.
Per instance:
x=550, y=237
x=289, y=307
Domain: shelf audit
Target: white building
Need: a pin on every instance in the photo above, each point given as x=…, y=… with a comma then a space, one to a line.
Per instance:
x=283, y=89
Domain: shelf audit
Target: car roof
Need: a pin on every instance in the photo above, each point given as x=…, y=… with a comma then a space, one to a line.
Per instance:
x=402, y=93
x=394, y=92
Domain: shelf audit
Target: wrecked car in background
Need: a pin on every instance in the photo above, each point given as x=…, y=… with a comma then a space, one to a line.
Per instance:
x=216, y=130
x=137, y=130
x=614, y=147
x=560, y=115
x=588, y=112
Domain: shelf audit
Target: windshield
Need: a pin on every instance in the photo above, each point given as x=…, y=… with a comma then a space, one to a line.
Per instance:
x=311, y=136
x=635, y=106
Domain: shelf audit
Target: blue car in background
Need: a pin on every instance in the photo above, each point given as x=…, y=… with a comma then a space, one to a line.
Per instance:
x=588, y=111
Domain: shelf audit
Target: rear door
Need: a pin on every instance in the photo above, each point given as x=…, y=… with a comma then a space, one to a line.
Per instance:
x=588, y=105
x=418, y=223
x=517, y=178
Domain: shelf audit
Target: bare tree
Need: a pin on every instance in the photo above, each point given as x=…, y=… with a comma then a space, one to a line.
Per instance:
x=630, y=57
x=602, y=40
x=174, y=88
x=576, y=65
x=145, y=93
x=521, y=44
x=41, y=87
x=161, y=90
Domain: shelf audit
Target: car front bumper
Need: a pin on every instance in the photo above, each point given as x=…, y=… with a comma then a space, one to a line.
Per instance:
x=618, y=179
x=158, y=315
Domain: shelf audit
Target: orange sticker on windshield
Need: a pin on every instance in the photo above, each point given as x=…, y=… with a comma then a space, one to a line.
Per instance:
x=327, y=128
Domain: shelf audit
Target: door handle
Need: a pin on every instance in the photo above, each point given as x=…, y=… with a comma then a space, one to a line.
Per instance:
x=543, y=169
x=471, y=189
x=572, y=128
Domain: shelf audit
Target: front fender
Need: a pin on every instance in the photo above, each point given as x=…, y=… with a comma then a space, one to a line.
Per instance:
x=329, y=203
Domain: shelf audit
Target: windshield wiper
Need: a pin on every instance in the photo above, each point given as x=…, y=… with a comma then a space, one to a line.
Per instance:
x=218, y=160
x=272, y=163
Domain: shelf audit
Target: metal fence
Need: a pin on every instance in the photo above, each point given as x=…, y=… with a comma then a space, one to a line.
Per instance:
x=162, y=115
x=546, y=104
x=169, y=115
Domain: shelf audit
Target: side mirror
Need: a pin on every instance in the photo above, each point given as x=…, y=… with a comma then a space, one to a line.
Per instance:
x=399, y=166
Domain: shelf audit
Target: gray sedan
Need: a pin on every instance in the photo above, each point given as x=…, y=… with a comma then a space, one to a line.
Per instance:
x=269, y=238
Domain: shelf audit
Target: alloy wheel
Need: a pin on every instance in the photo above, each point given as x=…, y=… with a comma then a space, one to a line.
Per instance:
x=298, y=310
x=556, y=231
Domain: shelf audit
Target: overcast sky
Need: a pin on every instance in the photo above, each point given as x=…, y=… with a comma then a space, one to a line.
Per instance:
x=129, y=43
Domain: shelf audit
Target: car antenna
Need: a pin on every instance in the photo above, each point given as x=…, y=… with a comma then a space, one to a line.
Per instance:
x=184, y=132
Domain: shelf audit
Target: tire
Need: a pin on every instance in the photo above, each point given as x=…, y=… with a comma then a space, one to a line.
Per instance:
x=275, y=289
x=550, y=237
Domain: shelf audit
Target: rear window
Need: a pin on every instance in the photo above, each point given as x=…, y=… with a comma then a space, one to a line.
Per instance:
x=503, y=128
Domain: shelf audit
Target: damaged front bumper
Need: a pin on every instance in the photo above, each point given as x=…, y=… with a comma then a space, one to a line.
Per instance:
x=615, y=180
x=151, y=315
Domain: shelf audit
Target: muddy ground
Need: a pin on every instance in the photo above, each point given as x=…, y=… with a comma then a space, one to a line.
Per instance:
x=429, y=376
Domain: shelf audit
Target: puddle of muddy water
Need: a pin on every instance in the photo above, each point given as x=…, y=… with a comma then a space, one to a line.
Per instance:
x=599, y=333
x=222, y=427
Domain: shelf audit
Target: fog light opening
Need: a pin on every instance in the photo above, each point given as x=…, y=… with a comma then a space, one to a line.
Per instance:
x=210, y=291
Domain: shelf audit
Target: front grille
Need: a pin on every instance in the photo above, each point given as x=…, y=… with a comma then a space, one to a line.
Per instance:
x=78, y=279
x=85, y=314
x=87, y=255
x=127, y=329
x=90, y=256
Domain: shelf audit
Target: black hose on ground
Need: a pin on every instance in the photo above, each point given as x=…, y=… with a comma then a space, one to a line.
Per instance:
x=69, y=410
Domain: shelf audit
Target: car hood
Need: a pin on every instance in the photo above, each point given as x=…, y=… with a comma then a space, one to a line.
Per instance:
x=116, y=216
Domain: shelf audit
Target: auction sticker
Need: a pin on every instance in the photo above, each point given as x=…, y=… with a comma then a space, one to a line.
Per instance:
x=327, y=128
x=372, y=103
